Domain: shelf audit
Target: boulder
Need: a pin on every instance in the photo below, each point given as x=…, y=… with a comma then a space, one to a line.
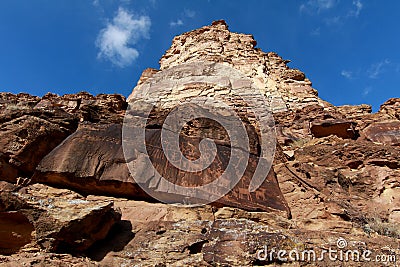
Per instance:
x=53, y=220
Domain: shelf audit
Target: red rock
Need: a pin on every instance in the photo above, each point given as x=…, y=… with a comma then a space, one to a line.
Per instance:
x=90, y=161
x=52, y=219
x=391, y=108
x=387, y=133
x=334, y=187
x=15, y=231
x=340, y=128
x=24, y=141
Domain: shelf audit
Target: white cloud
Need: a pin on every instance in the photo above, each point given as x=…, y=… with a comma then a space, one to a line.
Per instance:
x=189, y=13
x=337, y=20
x=178, y=22
x=358, y=6
x=366, y=91
x=377, y=68
x=338, y=11
x=312, y=6
x=116, y=40
x=347, y=74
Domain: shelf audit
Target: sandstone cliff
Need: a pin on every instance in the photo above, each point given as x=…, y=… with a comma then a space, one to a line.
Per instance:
x=72, y=194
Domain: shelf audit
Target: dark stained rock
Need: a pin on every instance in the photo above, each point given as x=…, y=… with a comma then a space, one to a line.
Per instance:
x=267, y=198
x=101, y=108
x=24, y=141
x=90, y=161
x=294, y=74
x=10, y=101
x=383, y=132
x=340, y=128
x=31, y=127
x=15, y=231
x=295, y=128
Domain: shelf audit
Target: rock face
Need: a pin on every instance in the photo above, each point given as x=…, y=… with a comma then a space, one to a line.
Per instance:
x=194, y=89
x=90, y=161
x=287, y=89
x=384, y=132
x=54, y=220
x=334, y=172
x=31, y=127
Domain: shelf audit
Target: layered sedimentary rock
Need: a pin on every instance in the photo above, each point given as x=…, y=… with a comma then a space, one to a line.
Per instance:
x=204, y=97
x=285, y=88
x=334, y=173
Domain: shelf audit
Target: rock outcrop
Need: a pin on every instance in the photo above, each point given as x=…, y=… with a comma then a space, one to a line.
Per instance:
x=286, y=88
x=39, y=217
x=74, y=194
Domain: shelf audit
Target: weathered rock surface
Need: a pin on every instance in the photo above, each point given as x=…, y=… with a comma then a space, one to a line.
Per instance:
x=101, y=108
x=341, y=128
x=384, y=132
x=90, y=161
x=16, y=231
x=31, y=127
x=335, y=172
x=39, y=217
x=287, y=89
x=152, y=234
x=193, y=88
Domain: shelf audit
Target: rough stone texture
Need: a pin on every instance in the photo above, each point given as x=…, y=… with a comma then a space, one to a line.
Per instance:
x=101, y=108
x=200, y=84
x=285, y=88
x=340, y=128
x=336, y=183
x=155, y=234
x=44, y=259
x=383, y=132
x=31, y=127
x=53, y=220
x=90, y=161
x=341, y=180
x=16, y=231
x=24, y=141
x=391, y=108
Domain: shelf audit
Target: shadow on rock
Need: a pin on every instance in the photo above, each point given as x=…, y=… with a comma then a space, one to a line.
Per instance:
x=118, y=237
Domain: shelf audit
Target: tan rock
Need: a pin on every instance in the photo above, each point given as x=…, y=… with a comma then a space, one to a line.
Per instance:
x=50, y=219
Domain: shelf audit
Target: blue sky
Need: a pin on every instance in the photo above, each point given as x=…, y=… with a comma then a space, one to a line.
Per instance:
x=348, y=48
